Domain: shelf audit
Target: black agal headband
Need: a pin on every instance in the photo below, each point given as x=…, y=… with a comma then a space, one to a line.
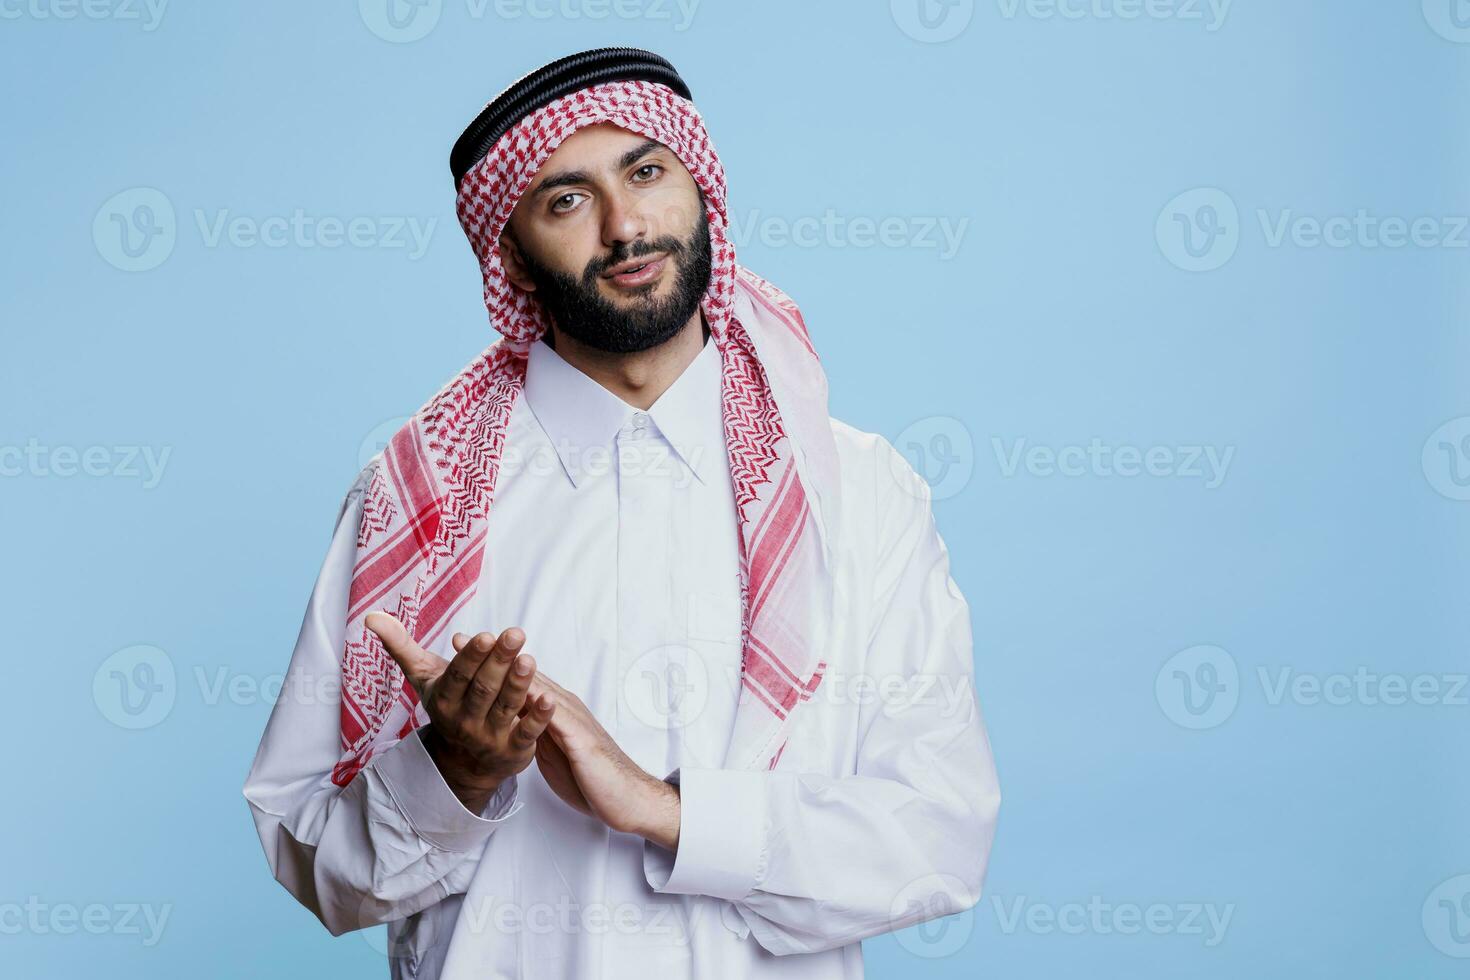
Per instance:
x=550, y=82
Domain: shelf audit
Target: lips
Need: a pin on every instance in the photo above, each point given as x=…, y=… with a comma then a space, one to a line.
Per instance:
x=637, y=271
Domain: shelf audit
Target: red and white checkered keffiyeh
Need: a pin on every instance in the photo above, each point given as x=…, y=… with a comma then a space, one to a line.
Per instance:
x=422, y=539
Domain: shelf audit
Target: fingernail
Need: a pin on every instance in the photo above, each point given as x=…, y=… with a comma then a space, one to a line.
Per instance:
x=523, y=666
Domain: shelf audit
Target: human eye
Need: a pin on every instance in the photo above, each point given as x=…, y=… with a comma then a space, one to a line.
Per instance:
x=648, y=167
x=565, y=203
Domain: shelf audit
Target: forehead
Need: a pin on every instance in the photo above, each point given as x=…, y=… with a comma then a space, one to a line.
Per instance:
x=592, y=148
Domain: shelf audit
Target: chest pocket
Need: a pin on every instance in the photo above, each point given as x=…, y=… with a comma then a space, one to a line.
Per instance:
x=714, y=617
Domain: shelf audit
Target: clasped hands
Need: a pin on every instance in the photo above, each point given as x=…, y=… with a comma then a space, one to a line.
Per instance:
x=491, y=712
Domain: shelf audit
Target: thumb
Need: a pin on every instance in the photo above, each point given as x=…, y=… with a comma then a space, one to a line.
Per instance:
x=419, y=665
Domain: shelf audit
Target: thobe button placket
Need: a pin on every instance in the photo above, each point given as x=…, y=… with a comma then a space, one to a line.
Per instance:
x=640, y=425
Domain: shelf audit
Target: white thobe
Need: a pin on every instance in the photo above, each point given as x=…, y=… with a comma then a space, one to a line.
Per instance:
x=613, y=544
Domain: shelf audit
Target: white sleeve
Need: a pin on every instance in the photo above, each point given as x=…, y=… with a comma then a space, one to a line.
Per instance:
x=812, y=861
x=396, y=839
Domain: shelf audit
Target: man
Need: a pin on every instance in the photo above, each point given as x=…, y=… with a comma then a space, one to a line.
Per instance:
x=627, y=544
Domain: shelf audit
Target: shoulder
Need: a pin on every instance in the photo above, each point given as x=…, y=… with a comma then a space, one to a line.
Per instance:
x=352, y=500
x=874, y=466
x=881, y=490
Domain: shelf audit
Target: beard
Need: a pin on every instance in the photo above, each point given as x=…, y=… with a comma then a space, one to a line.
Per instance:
x=581, y=312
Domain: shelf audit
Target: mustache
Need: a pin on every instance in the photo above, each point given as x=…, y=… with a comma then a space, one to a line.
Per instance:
x=623, y=253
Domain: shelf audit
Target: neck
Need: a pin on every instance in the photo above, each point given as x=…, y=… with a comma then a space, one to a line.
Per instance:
x=638, y=378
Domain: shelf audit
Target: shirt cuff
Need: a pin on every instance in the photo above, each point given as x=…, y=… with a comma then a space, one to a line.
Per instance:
x=722, y=835
x=428, y=804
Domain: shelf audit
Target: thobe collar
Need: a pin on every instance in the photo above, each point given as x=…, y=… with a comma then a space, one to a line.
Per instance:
x=578, y=413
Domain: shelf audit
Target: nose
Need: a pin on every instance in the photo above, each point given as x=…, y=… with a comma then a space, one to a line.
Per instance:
x=623, y=222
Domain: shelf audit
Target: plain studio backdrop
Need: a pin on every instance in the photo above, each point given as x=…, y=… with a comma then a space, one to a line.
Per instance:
x=1166, y=299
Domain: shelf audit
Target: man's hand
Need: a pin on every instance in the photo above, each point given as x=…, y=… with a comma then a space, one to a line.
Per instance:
x=483, y=728
x=582, y=763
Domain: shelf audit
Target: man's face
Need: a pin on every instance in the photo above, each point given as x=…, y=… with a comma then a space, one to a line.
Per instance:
x=604, y=203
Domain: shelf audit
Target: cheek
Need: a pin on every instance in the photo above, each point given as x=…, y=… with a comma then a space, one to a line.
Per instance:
x=675, y=213
x=567, y=246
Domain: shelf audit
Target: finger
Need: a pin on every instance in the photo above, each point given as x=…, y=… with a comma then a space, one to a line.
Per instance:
x=485, y=685
x=460, y=674
x=418, y=665
x=507, y=706
x=528, y=730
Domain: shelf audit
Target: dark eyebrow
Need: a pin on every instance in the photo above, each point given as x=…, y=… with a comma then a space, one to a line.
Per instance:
x=568, y=177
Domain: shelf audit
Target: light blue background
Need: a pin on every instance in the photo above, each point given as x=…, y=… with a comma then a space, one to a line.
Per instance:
x=1061, y=318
